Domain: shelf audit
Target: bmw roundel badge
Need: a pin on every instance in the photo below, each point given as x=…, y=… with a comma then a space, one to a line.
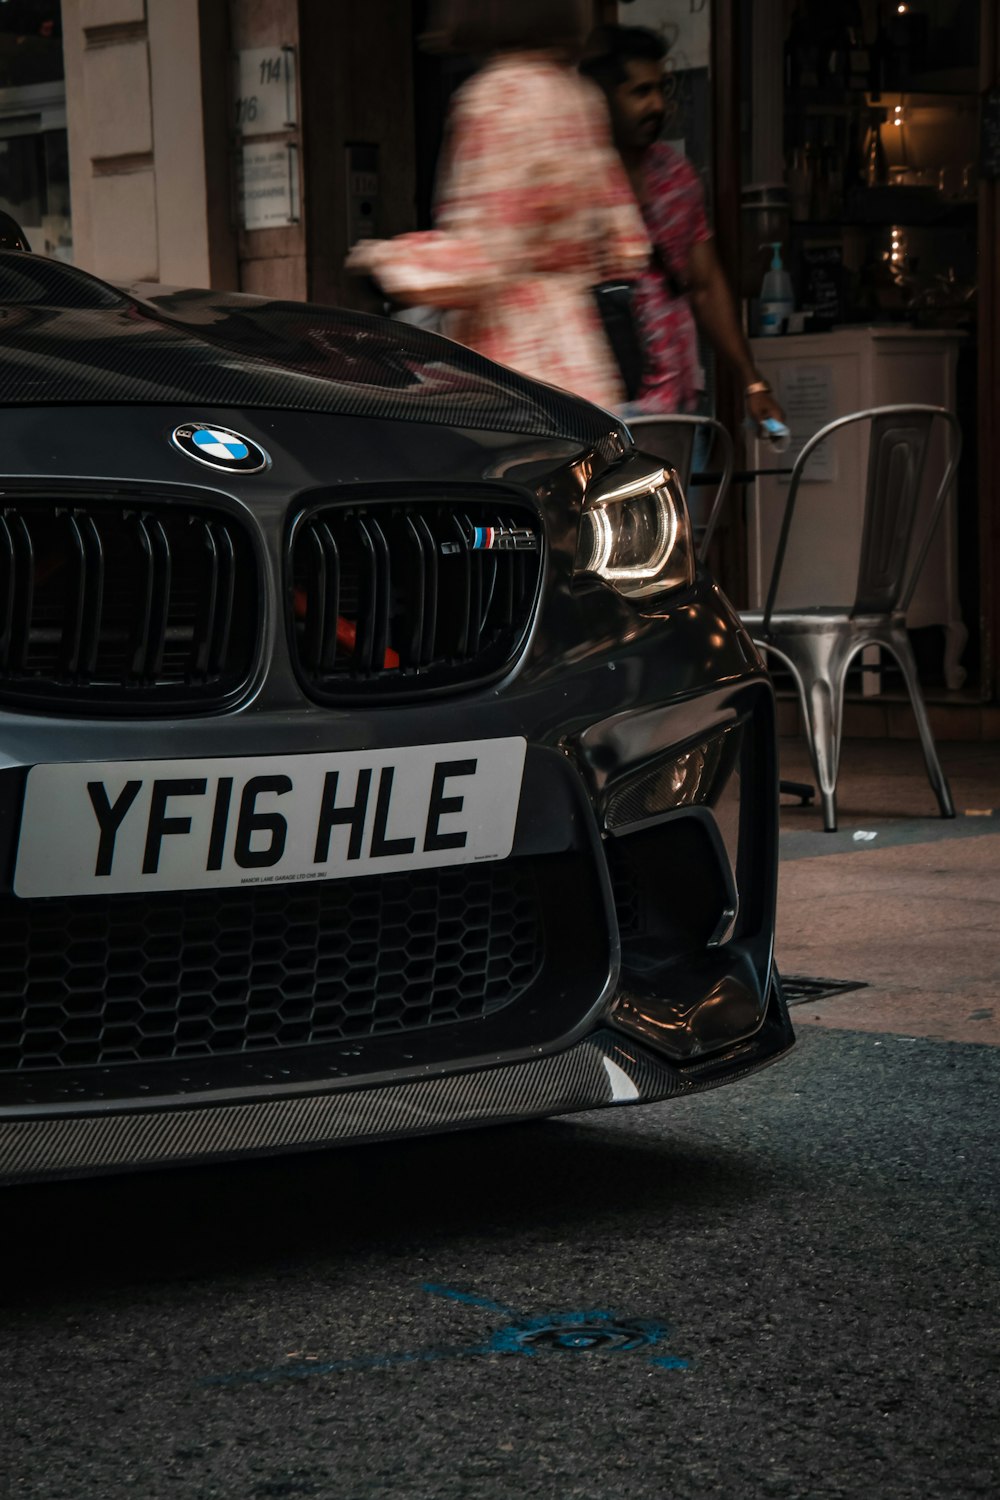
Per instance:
x=219, y=448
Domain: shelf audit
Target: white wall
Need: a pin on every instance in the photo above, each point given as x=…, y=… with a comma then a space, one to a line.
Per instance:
x=142, y=204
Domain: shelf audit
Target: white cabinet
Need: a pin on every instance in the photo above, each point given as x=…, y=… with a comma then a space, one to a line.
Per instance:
x=823, y=376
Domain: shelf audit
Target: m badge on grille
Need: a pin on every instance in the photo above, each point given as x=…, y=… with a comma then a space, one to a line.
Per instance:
x=219, y=448
x=494, y=539
x=503, y=539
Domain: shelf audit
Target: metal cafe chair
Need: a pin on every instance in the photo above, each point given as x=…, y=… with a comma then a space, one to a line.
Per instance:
x=674, y=439
x=817, y=644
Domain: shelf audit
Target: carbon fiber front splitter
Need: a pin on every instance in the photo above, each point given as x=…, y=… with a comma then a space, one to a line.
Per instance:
x=605, y=1068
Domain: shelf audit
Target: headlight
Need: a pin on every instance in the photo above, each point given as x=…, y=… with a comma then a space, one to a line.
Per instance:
x=635, y=532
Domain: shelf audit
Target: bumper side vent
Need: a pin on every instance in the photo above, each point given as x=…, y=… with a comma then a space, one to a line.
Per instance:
x=397, y=598
x=114, y=606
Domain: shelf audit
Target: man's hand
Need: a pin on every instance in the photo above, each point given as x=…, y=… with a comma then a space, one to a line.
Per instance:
x=715, y=311
x=762, y=404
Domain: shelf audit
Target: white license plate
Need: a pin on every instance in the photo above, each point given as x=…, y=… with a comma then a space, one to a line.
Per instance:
x=95, y=828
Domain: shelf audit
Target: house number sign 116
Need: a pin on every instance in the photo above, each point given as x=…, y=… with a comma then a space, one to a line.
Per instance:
x=265, y=90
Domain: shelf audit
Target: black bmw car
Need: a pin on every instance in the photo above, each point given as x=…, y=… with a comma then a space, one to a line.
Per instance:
x=375, y=758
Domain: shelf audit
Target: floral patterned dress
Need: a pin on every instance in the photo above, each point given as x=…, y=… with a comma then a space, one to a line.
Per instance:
x=534, y=208
x=674, y=211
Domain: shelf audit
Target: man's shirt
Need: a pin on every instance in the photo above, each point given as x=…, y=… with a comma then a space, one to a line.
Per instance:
x=674, y=211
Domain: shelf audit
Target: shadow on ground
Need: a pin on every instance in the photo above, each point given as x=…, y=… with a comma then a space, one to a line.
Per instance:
x=285, y=1212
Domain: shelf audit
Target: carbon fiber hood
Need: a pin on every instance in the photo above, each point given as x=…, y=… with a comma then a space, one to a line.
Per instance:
x=67, y=338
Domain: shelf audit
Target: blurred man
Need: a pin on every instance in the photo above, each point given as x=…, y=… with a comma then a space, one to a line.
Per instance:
x=685, y=281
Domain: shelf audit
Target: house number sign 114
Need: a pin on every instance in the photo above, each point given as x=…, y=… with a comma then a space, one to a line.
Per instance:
x=265, y=90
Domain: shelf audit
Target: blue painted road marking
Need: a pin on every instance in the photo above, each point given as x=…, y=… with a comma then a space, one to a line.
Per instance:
x=468, y=1299
x=591, y=1330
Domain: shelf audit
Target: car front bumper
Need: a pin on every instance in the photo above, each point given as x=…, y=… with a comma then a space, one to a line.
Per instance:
x=657, y=977
x=603, y=1069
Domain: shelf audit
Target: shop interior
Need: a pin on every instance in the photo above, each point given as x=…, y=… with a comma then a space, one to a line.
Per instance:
x=851, y=147
x=876, y=209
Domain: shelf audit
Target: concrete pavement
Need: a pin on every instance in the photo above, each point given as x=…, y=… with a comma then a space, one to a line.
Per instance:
x=898, y=897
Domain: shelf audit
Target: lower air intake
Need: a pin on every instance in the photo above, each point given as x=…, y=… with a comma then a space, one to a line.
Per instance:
x=98, y=981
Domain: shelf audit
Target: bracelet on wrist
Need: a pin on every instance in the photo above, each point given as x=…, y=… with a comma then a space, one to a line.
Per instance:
x=757, y=388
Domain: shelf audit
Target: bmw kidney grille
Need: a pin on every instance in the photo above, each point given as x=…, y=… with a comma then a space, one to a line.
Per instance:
x=398, y=597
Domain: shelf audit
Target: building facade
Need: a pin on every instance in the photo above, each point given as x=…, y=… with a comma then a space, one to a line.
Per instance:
x=229, y=142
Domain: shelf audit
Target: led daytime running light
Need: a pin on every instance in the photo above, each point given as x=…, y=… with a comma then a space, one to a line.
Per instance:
x=636, y=535
x=606, y=535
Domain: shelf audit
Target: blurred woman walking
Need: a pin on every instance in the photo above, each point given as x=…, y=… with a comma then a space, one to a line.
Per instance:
x=534, y=208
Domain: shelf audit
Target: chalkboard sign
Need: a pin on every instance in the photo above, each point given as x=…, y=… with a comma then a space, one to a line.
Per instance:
x=989, y=146
x=823, y=284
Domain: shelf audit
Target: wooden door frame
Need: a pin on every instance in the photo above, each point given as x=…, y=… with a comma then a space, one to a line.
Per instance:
x=989, y=375
x=726, y=93
x=726, y=145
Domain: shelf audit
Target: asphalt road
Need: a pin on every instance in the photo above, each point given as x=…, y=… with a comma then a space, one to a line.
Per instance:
x=785, y=1288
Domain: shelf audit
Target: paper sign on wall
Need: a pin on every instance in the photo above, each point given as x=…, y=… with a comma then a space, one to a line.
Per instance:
x=806, y=394
x=269, y=185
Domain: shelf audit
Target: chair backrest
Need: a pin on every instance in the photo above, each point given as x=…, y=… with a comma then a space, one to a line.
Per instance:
x=890, y=561
x=674, y=438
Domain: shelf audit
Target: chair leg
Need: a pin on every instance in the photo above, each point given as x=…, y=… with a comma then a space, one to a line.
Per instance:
x=818, y=662
x=898, y=643
x=823, y=723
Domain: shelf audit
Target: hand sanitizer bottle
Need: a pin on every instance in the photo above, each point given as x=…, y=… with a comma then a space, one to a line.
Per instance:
x=777, y=296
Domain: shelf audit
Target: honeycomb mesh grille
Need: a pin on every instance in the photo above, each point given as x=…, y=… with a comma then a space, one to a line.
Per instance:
x=199, y=974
